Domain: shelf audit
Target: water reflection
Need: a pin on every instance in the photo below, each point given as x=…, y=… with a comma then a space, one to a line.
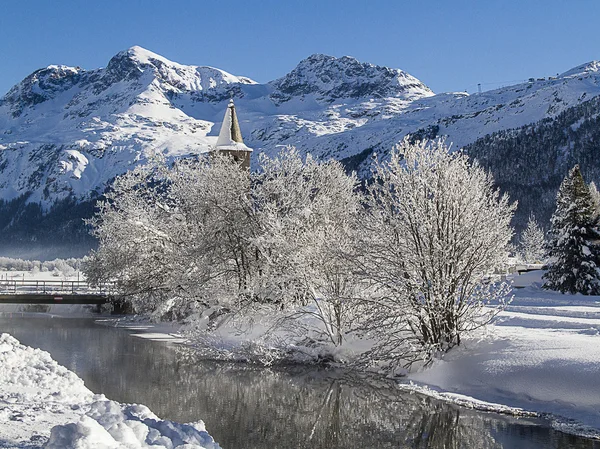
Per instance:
x=251, y=407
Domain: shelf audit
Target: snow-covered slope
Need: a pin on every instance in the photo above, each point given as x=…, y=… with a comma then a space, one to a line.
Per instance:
x=68, y=131
x=465, y=118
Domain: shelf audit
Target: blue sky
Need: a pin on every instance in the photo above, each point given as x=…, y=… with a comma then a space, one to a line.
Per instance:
x=451, y=45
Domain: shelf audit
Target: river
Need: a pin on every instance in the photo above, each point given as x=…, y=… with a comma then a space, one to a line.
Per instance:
x=247, y=407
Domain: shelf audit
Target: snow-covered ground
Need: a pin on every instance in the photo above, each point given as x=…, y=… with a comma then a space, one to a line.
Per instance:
x=542, y=355
x=44, y=404
x=25, y=270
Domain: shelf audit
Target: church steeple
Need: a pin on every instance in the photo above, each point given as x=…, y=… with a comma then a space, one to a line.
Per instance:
x=230, y=138
x=230, y=129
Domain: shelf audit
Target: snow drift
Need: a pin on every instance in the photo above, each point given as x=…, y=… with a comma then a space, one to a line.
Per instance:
x=38, y=394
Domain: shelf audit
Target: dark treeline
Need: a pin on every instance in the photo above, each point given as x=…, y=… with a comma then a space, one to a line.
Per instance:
x=530, y=162
x=26, y=230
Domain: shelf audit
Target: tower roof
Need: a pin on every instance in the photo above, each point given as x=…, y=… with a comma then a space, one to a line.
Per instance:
x=230, y=134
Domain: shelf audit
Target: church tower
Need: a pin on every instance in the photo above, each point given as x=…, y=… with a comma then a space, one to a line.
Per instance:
x=230, y=140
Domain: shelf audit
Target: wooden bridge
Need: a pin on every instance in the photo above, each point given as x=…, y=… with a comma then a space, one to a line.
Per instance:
x=22, y=291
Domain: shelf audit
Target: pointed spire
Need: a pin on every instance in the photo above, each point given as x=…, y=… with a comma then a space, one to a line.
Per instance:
x=230, y=129
x=230, y=140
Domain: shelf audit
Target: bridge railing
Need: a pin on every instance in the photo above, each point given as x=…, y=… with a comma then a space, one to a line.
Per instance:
x=49, y=287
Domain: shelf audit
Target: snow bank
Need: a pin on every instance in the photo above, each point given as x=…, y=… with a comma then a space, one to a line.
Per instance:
x=113, y=425
x=541, y=356
x=43, y=402
x=30, y=375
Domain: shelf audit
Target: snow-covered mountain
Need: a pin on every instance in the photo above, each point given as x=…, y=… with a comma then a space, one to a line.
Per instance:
x=69, y=131
x=66, y=132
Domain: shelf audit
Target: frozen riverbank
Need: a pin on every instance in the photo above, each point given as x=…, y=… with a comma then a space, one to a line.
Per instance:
x=542, y=355
x=42, y=404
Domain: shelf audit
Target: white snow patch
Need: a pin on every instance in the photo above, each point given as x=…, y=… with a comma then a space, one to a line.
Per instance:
x=43, y=402
x=542, y=356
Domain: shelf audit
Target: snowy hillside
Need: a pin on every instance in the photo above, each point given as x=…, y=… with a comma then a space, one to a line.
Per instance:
x=530, y=162
x=465, y=118
x=67, y=131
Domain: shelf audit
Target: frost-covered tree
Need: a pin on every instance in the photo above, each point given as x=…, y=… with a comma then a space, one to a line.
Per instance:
x=573, y=248
x=131, y=243
x=174, y=237
x=533, y=242
x=307, y=211
x=595, y=201
x=436, y=229
x=217, y=225
x=206, y=233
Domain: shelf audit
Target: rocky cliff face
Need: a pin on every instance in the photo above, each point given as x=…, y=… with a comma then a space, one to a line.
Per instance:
x=327, y=79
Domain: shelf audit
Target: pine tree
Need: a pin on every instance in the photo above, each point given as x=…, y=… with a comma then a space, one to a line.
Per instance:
x=573, y=235
x=533, y=242
x=595, y=200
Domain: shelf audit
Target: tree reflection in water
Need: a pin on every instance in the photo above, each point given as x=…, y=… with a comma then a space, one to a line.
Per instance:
x=246, y=406
x=319, y=408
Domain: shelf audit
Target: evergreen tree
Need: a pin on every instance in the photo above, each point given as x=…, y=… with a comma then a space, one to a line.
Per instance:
x=595, y=200
x=533, y=242
x=596, y=217
x=573, y=235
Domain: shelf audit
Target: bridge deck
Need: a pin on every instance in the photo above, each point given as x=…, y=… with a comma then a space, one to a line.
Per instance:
x=26, y=291
x=36, y=298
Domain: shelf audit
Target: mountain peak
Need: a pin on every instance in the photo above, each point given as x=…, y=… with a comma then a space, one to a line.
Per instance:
x=318, y=58
x=41, y=85
x=129, y=64
x=589, y=67
x=144, y=56
x=322, y=65
x=329, y=78
x=66, y=131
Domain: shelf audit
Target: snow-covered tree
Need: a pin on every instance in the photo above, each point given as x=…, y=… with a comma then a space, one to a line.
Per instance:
x=207, y=233
x=436, y=229
x=533, y=242
x=573, y=248
x=595, y=200
x=307, y=211
x=217, y=225
x=175, y=236
x=131, y=244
